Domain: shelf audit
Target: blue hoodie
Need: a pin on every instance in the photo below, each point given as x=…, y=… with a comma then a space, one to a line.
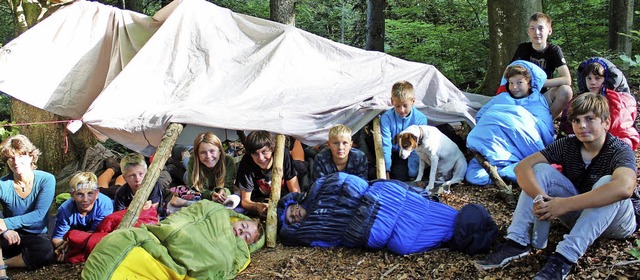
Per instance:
x=390, y=125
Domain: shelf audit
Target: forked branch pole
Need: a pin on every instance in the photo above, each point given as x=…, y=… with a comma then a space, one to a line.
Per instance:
x=159, y=159
x=493, y=173
x=276, y=186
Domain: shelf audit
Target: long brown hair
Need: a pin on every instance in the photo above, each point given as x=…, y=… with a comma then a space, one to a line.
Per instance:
x=219, y=170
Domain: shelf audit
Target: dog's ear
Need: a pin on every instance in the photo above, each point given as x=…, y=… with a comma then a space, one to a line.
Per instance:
x=396, y=139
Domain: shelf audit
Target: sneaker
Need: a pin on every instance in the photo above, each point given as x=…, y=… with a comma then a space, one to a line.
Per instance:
x=113, y=164
x=505, y=253
x=555, y=268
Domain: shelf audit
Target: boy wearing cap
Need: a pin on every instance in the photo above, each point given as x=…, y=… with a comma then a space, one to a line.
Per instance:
x=83, y=211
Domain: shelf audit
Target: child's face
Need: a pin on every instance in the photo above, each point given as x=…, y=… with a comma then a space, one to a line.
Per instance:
x=85, y=199
x=295, y=214
x=402, y=106
x=208, y=154
x=340, y=146
x=519, y=86
x=262, y=157
x=594, y=82
x=589, y=128
x=539, y=31
x=133, y=175
x=247, y=230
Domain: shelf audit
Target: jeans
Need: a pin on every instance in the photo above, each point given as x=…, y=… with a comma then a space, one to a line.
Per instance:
x=616, y=220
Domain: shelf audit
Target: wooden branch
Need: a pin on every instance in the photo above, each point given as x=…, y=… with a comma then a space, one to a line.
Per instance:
x=493, y=173
x=142, y=195
x=381, y=171
x=276, y=185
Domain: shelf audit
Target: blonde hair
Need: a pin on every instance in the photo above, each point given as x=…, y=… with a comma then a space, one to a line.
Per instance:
x=541, y=16
x=339, y=130
x=19, y=145
x=402, y=90
x=83, y=180
x=133, y=159
x=219, y=170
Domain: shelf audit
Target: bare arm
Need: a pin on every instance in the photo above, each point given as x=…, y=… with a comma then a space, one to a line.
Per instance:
x=564, y=78
x=620, y=187
x=293, y=184
x=250, y=205
x=525, y=176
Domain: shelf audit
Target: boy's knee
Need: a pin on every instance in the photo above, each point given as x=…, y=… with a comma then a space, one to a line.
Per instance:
x=603, y=180
x=563, y=93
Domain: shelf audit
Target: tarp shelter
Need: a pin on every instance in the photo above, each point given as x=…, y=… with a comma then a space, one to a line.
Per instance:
x=127, y=76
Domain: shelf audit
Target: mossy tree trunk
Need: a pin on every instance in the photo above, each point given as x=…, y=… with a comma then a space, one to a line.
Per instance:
x=508, y=22
x=283, y=11
x=620, y=22
x=375, y=25
x=49, y=138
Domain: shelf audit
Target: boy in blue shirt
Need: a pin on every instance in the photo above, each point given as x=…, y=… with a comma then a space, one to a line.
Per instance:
x=394, y=121
x=83, y=211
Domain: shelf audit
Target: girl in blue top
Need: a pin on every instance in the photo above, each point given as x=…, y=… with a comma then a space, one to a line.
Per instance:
x=26, y=195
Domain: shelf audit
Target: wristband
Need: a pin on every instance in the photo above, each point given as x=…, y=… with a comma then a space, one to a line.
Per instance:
x=2, y=234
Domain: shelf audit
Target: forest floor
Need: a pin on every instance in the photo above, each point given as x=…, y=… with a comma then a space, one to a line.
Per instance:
x=606, y=259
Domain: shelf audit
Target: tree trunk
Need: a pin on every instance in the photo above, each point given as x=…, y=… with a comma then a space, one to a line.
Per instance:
x=508, y=23
x=620, y=21
x=375, y=25
x=283, y=11
x=134, y=5
x=49, y=138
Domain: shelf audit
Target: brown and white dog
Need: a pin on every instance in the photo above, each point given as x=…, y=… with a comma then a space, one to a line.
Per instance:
x=448, y=164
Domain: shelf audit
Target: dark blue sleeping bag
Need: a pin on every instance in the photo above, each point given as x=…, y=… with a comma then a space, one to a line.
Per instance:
x=345, y=210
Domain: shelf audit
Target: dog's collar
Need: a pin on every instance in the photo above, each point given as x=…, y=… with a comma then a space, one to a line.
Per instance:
x=421, y=135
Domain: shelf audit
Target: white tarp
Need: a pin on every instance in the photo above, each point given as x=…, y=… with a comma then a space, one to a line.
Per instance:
x=127, y=75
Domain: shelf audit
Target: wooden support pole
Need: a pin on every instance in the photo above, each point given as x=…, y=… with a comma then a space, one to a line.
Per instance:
x=153, y=172
x=495, y=177
x=276, y=185
x=381, y=171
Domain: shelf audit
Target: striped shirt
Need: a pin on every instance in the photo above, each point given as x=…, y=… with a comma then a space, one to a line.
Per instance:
x=566, y=152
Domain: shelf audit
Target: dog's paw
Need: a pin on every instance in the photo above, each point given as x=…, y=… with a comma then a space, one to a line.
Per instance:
x=444, y=189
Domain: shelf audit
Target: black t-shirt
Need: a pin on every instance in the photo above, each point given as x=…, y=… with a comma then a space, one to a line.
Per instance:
x=251, y=178
x=549, y=59
x=124, y=196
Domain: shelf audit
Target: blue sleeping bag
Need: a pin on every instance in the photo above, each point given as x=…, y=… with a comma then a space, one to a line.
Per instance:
x=508, y=129
x=345, y=210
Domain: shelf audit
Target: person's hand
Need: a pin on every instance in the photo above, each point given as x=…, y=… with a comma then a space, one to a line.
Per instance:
x=61, y=251
x=262, y=208
x=219, y=196
x=3, y=225
x=551, y=208
x=147, y=205
x=12, y=237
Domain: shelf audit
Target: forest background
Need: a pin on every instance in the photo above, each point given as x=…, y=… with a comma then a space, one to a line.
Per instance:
x=469, y=41
x=456, y=36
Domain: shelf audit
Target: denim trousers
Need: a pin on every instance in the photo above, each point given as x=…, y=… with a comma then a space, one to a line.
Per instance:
x=616, y=220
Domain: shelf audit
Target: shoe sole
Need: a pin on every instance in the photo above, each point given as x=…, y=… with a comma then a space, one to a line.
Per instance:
x=503, y=263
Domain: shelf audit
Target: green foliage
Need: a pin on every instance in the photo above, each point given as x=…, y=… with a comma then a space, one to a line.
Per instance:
x=256, y=8
x=7, y=30
x=416, y=31
x=631, y=64
x=636, y=251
